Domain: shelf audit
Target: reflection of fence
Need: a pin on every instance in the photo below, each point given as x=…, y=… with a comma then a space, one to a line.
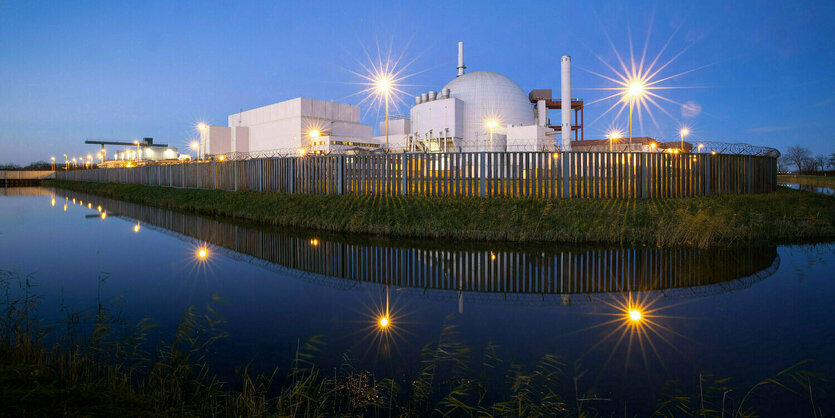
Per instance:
x=479, y=270
x=511, y=174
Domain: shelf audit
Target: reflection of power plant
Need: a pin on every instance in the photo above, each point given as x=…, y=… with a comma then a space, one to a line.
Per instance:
x=480, y=273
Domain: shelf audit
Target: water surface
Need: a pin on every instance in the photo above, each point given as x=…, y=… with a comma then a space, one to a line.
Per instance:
x=743, y=312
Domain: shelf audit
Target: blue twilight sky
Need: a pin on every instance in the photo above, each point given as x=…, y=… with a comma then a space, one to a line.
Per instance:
x=764, y=70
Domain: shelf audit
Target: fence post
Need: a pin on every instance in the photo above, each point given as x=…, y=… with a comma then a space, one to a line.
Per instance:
x=566, y=162
x=235, y=173
x=750, y=176
x=644, y=175
x=340, y=173
x=403, y=172
x=707, y=175
x=482, y=184
x=260, y=187
x=292, y=173
x=198, y=174
x=183, y=166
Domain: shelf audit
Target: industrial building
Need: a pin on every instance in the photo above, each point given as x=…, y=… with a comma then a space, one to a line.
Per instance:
x=475, y=111
x=314, y=126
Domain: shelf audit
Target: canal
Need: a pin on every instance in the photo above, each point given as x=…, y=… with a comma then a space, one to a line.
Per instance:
x=626, y=323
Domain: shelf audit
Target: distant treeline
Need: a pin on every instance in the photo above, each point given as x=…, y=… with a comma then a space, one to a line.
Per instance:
x=37, y=165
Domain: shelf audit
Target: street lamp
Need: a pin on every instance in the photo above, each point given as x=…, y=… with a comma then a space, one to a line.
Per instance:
x=383, y=86
x=634, y=91
x=700, y=147
x=202, y=128
x=313, y=134
x=67, y=162
x=683, y=132
x=53, y=164
x=614, y=135
x=492, y=124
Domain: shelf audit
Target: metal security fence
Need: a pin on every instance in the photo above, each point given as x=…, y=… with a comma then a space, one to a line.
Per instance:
x=599, y=175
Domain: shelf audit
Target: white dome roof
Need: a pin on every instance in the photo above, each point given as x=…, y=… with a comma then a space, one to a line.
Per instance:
x=488, y=95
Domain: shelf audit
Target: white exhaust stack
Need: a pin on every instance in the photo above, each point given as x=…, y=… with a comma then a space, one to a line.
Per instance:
x=461, y=66
x=565, y=93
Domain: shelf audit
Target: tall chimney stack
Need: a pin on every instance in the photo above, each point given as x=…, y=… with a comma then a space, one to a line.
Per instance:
x=461, y=66
x=565, y=104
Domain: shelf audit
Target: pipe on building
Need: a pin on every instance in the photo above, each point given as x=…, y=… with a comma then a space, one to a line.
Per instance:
x=418, y=100
x=445, y=93
x=565, y=104
x=461, y=66
x=433, y=95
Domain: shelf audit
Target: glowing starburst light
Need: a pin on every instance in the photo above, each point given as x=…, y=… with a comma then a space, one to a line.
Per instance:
x=638, y=81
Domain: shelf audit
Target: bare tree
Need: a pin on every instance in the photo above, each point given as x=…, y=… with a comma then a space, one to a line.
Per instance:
x=819, y=163
x=831, y=161
x=798, y=156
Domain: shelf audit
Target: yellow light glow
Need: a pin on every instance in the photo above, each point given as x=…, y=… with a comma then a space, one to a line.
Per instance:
x=384, y=322
x=713, y=153
x=653, y=145
x=635, y=315
x=52, y=202
x=135, y=142
x=492, y=256
x=315, y=133
x=492, y=123
x=314, y=242
x=104, y=215
x=202, y=253
x=636, y=88
x=222, y=157
x=90, y=206
x=73, y=201
x=136, y=227
x=684, y=131
x=65, y=207
x=556, y=155
x=383, y=84
x=701, y=146
x=614, y=135
x=195, y=145
x=201, y=126
x=302, y=152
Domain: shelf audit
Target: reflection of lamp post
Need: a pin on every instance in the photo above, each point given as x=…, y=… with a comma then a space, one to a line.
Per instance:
x=492, y=124
x=383, y=86
x=683, y=132
x=635, y=90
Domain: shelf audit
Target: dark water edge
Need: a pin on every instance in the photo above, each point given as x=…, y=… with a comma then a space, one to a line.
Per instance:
x=476, y=288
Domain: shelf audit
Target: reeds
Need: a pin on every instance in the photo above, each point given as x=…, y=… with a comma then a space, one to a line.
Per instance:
x=102, y=374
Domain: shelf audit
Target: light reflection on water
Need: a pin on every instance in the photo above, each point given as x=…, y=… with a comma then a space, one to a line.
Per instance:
x=579, y=302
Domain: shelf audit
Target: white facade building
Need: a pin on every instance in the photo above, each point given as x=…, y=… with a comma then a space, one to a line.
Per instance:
x=297, y=125
x=478, y=111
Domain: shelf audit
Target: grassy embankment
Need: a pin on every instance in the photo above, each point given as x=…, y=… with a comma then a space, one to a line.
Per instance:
x=818, y=181
x=785, y=216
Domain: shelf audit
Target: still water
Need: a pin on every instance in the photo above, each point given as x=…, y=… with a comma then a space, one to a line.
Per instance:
x=624, y=321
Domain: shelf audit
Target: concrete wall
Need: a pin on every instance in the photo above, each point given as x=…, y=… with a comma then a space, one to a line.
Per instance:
x=443, y=117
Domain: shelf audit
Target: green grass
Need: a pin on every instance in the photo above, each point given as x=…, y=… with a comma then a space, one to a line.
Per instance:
x=820, y=181
x=786, y=216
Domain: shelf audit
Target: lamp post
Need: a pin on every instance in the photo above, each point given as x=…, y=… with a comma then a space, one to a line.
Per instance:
x=614, y=135
x=66, y=162
x=315, y=133
x=202, y=128
x=492, y=124
x=682, y=133
x=383, y=86
x=53, y=163
x=635, y=90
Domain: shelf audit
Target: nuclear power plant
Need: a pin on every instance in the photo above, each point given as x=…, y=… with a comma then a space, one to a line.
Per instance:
x=475, y=111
